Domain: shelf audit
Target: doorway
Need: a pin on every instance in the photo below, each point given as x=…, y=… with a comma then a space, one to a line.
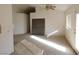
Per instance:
x=38, y=26
x=77, y=32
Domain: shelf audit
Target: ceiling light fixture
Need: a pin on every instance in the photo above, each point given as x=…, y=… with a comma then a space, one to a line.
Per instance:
x=50, y=6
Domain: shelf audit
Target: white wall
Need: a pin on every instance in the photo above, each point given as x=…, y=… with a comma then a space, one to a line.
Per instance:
x=54, y=21
x=71, y=33
x=19, y=19
x=6, y=37
x=20, y=23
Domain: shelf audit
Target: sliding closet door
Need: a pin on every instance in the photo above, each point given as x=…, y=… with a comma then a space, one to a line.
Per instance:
x=38, y=26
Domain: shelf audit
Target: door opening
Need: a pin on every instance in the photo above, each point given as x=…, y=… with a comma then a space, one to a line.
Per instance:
x=38, y=26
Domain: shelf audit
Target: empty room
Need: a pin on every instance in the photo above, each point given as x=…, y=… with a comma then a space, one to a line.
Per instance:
x=39, y=29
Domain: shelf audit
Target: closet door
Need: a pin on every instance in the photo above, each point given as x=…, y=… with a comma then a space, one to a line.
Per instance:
x=38, y=26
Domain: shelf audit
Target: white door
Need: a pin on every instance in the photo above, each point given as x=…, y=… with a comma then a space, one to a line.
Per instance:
x=77, y=31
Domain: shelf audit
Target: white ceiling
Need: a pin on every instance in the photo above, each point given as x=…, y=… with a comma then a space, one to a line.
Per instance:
x=61, y=7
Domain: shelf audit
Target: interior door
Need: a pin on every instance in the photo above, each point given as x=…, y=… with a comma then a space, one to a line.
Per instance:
x=77, y=32
x=38, y=26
